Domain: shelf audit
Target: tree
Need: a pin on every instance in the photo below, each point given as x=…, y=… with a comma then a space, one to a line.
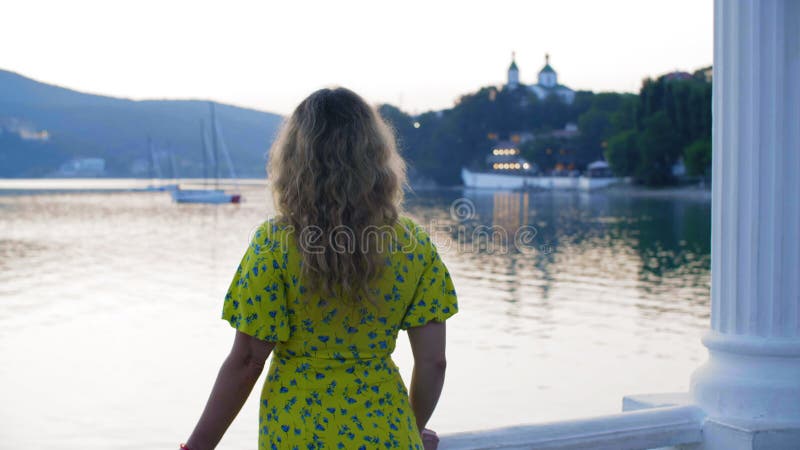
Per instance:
x=640, y=135
x=583, y=101
x=624, y=117
x=697, y=157
x=609, y=114
x=659, y=149
x=25, y=158
x=622, y=153
x=542, y=151
x=595, y=127
x=669, y=117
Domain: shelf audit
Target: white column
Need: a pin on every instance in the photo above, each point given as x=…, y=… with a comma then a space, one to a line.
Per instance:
x=753, y=372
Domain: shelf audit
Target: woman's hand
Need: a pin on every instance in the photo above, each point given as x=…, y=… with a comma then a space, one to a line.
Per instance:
x=430, y=440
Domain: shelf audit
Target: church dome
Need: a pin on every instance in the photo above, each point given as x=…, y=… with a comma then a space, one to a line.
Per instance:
x=547, y=68
x=513, y=72
x=513, y=65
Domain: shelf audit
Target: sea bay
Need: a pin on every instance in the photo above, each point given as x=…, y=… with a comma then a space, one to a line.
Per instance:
x=110, y=329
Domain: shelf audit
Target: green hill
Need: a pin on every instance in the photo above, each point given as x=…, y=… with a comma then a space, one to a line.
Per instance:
x=43, y=126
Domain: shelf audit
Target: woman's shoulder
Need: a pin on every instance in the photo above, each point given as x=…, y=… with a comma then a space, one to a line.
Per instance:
x=409, y=227
x=275, y=225
x=272, y=234
x=414, y=236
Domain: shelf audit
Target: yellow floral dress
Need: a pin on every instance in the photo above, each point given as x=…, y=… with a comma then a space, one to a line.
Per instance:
x=332, y=383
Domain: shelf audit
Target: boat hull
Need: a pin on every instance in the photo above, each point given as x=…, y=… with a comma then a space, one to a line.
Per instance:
x=213, y=196
x=159, y=188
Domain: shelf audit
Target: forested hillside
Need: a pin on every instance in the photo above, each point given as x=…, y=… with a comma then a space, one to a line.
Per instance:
x=641, y=136
x=43, y=126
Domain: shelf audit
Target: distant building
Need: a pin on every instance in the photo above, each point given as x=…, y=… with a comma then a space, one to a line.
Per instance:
x=513, y=73
x=598, y=169
x=679, y=168
x=33, y=135
x=678, y=75
x=26, y=131
x=569, y=132
x=548, y=84
x=83, y=167
x=706, y=73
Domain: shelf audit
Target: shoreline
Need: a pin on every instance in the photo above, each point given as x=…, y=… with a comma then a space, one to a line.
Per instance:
x=76, y=185
x=691, y=192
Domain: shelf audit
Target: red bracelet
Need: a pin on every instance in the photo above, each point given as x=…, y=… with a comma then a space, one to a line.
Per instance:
x=184, y=447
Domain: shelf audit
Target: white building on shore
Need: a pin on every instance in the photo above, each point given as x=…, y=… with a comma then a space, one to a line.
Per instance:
x=83, y=167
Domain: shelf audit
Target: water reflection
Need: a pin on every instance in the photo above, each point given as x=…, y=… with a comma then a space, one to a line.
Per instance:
x=608, y=298
x=589, y=251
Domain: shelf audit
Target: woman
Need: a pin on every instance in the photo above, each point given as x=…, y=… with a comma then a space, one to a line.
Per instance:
x=327, y=286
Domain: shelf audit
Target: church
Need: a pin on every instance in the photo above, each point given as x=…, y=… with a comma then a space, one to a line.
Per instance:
x=547, y=82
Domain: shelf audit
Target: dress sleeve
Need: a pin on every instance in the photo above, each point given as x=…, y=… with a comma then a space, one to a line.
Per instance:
x=255, y=303
x=435, y=296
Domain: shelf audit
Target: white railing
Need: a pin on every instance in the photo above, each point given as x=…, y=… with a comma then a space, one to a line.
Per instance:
x=635, y=430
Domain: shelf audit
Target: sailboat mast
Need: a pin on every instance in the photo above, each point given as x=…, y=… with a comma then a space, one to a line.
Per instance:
x=172, y=167
x=214, y=145
x=205, y=151
x=150, y=169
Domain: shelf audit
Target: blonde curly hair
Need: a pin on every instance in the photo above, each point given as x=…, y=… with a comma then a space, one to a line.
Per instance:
x=337, y=177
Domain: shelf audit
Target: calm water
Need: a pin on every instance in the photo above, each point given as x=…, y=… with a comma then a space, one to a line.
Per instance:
x=110, y=331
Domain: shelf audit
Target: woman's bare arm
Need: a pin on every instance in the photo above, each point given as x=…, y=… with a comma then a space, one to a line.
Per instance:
x=427, y=379
x=238, y=374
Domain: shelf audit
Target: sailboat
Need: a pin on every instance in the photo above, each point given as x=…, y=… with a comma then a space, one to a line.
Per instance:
x=154, y=170
x=207, y=195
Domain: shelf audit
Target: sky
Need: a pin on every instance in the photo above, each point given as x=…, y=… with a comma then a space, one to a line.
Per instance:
x=416, y=54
